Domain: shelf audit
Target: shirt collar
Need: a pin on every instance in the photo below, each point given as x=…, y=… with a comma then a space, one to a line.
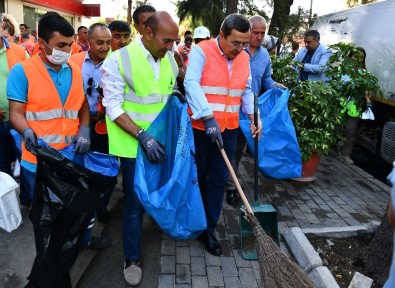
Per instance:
x=146, y=52
x=6, y=44
x=87, y=57
x=64, y=66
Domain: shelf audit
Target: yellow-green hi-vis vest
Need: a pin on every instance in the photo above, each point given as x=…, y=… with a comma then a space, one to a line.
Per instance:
x=144, y=96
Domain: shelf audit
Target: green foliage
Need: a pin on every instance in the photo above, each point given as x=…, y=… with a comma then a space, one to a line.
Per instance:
x=315, y=111
x=341, y=64
x=211, y=14
x=315, y=107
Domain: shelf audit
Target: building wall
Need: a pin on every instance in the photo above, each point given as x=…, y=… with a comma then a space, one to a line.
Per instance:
x=15, y=8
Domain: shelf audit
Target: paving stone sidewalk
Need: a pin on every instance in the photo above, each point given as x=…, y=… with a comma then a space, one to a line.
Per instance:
x=340, y=196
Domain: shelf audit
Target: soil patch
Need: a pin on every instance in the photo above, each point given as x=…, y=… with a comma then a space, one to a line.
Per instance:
x=341, y=256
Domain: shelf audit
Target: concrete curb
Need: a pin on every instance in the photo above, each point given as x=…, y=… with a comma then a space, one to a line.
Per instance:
x=303, y=251
x=343, y=232
x=307, y=257
x=322, y=278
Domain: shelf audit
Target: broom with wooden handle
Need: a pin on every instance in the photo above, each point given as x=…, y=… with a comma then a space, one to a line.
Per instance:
x=277, y=270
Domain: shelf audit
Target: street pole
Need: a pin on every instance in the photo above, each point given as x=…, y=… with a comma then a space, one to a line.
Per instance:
x=311, y=12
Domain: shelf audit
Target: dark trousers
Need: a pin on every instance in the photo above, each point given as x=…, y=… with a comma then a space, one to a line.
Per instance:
x=212, y=172
x=350, y=133
x=7, y=147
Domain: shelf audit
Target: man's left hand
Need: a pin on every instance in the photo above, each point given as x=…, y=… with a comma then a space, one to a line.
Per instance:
x=256, y=131
x=82, y=140
x=280, y=85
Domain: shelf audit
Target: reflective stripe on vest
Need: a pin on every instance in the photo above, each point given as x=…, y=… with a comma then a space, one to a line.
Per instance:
x=144, y=96
x=131, y=96
x=223, y=92
x=51, y=114
x=52, y=121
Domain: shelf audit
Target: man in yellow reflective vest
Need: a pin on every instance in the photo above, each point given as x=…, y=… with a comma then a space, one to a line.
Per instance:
x=138, y=79
x=217, y=85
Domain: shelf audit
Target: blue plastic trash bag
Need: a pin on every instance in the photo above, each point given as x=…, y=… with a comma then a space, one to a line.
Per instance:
x=17, y=138
x=169, y=191
x=104, y=164
x=278, y=150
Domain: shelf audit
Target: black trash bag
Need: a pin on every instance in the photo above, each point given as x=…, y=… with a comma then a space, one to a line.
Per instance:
x=65, y=196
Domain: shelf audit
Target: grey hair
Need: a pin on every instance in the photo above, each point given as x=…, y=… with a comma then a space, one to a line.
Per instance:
x=257, y=19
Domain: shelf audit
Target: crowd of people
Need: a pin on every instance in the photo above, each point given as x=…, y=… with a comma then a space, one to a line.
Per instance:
x=104, y=77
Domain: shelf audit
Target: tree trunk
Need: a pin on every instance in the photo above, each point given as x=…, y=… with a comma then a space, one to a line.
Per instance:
x=281, y=10
x=378, y=256
x=231, y=6
x=129, y=17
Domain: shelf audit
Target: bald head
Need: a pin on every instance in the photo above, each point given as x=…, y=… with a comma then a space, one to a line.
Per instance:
x=161, y=17
x=159, y=34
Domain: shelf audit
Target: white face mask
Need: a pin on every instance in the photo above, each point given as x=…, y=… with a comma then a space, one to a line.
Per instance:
x=58, y=57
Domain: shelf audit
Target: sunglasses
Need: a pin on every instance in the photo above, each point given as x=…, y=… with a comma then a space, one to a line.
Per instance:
x=92, y=84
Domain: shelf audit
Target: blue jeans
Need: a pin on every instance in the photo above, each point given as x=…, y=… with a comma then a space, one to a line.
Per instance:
x=132, y=213
x=7, y=147
x=212, y=172
x=29, y=180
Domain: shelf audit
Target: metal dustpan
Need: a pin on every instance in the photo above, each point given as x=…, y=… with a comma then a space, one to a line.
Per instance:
x=265, y=213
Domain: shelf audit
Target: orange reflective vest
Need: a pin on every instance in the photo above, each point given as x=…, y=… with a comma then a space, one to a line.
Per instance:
x=15, y=54
x=78, y=58
x=36, y=49
x=75, y=48
x=47, y=117
x=223, y=92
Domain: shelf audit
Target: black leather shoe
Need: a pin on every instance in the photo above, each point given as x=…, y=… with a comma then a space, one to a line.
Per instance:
x=231, y=197
x=99, y=243
x=210, y=243
x=102, y=214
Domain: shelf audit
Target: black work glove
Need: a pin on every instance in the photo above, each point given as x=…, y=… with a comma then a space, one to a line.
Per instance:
x=82, y=140
x=179, y=95
x=154, y=151
x=213, y=131
x=29, y=138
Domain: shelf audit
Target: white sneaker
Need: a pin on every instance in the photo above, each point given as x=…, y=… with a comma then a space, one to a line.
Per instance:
x=348, y=160
x=17, y=169
x=133, y=273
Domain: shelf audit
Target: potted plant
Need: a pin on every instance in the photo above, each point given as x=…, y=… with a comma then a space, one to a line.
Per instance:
x=316, y=107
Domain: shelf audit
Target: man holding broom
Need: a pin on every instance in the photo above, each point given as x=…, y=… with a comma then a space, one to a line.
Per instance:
x=217, y=84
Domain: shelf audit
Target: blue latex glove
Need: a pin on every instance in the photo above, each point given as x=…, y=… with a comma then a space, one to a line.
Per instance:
x=29, y=138
x=154, y=151
x=82, y=140
x=213, y=131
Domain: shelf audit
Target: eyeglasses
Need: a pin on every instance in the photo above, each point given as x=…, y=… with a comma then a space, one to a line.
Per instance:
x=237, y=44
x=92, y=84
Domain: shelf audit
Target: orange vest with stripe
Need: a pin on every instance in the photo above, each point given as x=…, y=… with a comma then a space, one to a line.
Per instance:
x=47, y=117
x=223, y=92
x=15, y=54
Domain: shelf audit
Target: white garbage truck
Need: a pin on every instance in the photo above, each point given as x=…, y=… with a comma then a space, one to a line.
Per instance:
x=371, y=27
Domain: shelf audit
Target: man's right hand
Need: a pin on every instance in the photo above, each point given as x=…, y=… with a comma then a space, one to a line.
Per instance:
x=152, y=148
x=29, y=138
x=213, y=131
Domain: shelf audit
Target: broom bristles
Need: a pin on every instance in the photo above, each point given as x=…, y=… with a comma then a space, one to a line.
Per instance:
x=277, y=270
